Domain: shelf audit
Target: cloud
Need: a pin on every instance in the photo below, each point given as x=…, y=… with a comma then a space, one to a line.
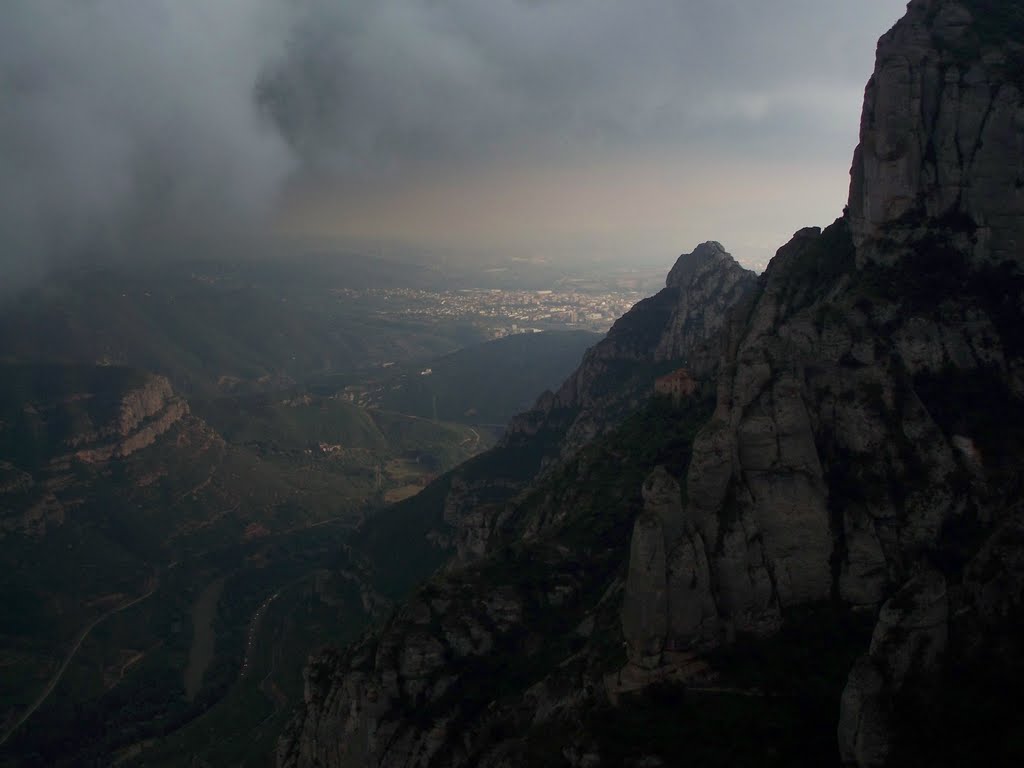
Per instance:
x=129, y=126
x=379, y=84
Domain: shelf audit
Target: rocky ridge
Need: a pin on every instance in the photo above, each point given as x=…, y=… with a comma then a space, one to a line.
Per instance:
x=145, y=413
x=86, y=427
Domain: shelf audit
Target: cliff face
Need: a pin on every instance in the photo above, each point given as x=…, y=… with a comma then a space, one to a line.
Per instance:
x=942, y=130
x=111, y=417
x=144, y=414
x=864, y=451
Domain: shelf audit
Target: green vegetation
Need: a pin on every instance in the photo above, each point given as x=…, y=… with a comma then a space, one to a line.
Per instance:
x=297, y=424
x=486, y=383
x=936, y=266
x=602, y=487
x=42, y=406
x=242, y=727
x=261, y=512
x=126, y=688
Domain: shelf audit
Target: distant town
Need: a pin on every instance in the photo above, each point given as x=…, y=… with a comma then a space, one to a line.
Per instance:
x=502, y=312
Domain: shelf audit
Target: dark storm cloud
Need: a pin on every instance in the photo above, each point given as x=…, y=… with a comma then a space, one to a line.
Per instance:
x=384, y=83
x=126, y=124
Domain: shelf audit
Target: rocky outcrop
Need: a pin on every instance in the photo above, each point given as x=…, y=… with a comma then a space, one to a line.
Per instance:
x=85, y=427
x=908, y=641
x=709, y=283
x=422, y=690
x=828, y=467
x=145, y=413
x=668, y=602
x=942, y=132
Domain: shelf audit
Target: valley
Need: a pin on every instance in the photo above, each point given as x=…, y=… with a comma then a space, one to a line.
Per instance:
x=181, y=553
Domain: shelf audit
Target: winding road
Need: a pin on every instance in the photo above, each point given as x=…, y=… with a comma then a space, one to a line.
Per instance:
x=50, y=686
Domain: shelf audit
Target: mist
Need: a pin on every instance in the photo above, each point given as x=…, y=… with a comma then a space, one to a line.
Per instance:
x=129, y=128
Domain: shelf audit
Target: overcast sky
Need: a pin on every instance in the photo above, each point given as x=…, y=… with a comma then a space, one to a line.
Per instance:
x=547, y=128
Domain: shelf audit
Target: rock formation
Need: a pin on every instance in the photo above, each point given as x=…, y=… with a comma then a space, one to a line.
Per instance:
x=908, y=641
x=87, y=427
x=942, y=131
x=144, y=414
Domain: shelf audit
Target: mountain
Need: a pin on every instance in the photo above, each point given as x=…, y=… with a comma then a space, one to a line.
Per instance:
x=810, y=554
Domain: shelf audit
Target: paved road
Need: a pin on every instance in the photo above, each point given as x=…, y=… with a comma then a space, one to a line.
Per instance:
x=67, y=660
x=254, y=622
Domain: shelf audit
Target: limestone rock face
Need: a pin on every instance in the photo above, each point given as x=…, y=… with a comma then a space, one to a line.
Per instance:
x=421, y=690
x=709, y=282
x=908, y=641
x=825, y=468
x=756, y=484
x=145, y=413
x=912, y=628
x=669, y=603
x=645, y=606
x=692, y=612
x=994, y=579
x=132, y=421
x=663, y=498
x=941, y=134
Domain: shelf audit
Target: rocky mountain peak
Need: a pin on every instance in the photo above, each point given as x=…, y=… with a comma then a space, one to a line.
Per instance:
x=688, y=264
x=679, y=324
x=942, y=131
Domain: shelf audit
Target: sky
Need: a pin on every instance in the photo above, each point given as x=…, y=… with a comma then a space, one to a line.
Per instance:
x=551, y=129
